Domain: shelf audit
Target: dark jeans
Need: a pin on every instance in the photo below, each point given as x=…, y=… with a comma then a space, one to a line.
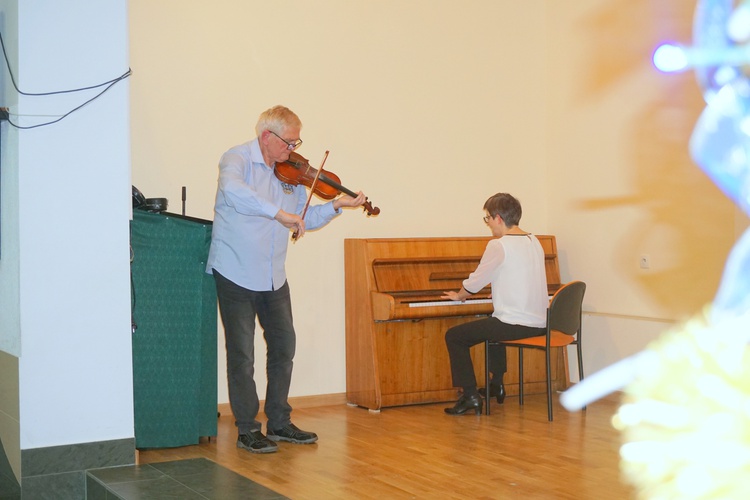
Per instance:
x=461, y=337
x=239, y=307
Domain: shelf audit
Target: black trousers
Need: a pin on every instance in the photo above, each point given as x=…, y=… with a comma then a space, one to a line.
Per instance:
x=239, y=308
x=461, y=338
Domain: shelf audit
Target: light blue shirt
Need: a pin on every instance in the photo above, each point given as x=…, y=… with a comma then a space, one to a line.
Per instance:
x=248, y=246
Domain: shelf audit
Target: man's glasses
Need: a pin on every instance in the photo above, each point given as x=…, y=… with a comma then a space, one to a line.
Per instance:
x=291, y=146
x=487, y=218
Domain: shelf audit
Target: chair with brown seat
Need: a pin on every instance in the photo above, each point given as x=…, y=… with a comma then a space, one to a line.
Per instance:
x=563, y=328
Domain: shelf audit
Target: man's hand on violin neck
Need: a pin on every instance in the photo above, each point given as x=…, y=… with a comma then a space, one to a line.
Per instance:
x=348, y=201
x=292, y=221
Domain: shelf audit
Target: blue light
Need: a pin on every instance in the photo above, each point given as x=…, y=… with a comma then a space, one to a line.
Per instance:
x=670, y=58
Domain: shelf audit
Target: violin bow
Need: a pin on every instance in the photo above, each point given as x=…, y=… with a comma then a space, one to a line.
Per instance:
x=295, y=234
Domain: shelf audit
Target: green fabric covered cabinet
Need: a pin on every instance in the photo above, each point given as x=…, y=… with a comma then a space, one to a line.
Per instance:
x=174, y=342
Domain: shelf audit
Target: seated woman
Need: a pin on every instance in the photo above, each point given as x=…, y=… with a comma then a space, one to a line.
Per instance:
x=513, y=263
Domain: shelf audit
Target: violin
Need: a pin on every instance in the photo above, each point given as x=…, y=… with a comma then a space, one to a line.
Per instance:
x=327, y=185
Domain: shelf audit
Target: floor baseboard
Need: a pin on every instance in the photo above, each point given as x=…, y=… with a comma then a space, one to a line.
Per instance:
x=301, y=402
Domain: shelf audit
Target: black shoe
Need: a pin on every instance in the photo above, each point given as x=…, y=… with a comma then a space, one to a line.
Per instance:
x=292, y=434
x=466, y=403
x=256, y=442
x=497, y=391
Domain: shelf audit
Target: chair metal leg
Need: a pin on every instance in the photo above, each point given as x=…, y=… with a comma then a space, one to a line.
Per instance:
x=487, y=377
x=580, y=364
x=520, y=375
x=549, y=384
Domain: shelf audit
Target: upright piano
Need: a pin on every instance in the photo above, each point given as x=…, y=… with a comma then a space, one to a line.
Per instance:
x=396, y=320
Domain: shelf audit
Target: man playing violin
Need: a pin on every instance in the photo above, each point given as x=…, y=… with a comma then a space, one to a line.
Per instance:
x=254, y=214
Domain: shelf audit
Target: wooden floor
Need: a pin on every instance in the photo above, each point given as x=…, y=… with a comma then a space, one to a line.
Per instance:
x=420, y=452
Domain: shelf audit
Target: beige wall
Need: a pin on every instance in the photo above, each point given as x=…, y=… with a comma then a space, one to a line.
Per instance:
x=626, y=181
x=624, y=185
x=432, y=106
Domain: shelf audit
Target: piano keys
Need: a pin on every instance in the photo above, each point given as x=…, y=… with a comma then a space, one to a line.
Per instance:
x=396, y=320
x=441, y=303
x=393, y=306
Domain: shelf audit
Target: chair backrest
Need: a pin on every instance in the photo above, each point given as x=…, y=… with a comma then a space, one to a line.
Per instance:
x=564, y=313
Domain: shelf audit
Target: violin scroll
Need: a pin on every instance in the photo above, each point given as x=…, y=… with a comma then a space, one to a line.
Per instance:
x=369, y=209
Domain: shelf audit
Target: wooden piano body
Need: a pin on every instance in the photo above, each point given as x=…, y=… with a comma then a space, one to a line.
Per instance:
x=396, y=321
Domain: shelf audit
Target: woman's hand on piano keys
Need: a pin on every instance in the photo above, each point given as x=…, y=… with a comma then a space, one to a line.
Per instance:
x=454, y=295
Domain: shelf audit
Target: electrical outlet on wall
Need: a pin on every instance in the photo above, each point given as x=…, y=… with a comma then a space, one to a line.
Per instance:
x=645, y=261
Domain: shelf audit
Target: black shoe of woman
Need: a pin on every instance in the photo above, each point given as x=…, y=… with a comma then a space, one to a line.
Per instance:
x=496, y=391
x=466, y=403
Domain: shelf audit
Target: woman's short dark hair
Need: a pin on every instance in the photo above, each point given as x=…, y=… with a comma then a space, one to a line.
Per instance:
x=506, y=206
